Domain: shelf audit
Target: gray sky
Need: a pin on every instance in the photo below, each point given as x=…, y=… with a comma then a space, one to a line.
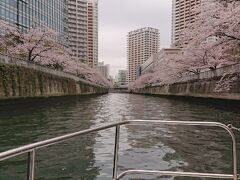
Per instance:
x=118, y=17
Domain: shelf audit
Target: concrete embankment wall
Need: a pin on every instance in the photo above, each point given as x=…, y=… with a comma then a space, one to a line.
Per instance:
x=204, y=88
x=19, y=81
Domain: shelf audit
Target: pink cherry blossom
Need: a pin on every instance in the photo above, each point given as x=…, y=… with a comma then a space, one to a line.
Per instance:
x=213, y=41
x=40, y=45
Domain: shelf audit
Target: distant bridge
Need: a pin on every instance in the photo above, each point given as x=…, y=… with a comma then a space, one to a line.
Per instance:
x=119, y=90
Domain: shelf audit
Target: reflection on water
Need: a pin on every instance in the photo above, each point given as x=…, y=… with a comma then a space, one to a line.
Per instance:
x=90, y=157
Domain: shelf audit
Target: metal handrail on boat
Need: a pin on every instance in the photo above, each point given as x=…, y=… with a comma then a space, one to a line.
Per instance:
x=32, y=148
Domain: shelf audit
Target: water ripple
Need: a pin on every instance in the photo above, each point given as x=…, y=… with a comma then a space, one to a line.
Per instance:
x=144, y=147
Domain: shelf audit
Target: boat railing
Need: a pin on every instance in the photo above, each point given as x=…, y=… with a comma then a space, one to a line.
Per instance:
x=32, y=148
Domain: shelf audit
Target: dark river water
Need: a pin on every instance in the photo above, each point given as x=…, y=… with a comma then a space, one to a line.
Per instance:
x=89, y=157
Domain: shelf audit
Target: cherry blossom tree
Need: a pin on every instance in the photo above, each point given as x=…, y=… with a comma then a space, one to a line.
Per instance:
x=213, y=41
x=226, y=82
x=164, y=72
x=95, y=76
x=8, y=36
x=216, y=31
x=141, y=82
x=37, y=43
x=40, y=45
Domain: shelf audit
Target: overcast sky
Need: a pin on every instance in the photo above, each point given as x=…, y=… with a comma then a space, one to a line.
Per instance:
x=118, y=17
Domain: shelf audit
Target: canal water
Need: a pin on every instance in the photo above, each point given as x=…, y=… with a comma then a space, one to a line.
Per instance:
x=90, y=157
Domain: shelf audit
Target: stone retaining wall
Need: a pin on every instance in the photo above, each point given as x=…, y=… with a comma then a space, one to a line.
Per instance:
x=19, y=81
x=196, y=88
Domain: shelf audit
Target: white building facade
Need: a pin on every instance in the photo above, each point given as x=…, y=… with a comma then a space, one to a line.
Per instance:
x=154, y=60
x=166, y=53
x=147, y=66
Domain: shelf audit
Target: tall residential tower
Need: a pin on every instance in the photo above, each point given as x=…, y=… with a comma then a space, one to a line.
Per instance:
x=77, y=28
x=182, y=14
x=92, y=38
x=83, y=30
x=142, y=43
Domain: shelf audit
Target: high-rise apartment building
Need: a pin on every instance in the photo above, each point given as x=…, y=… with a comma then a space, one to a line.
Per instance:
x=104, y=69
x=25, y=14
x=92, y=38
x=77, y=28
x=83, y=30
x=182, y=15
x=142, y=43
x=122, y=77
